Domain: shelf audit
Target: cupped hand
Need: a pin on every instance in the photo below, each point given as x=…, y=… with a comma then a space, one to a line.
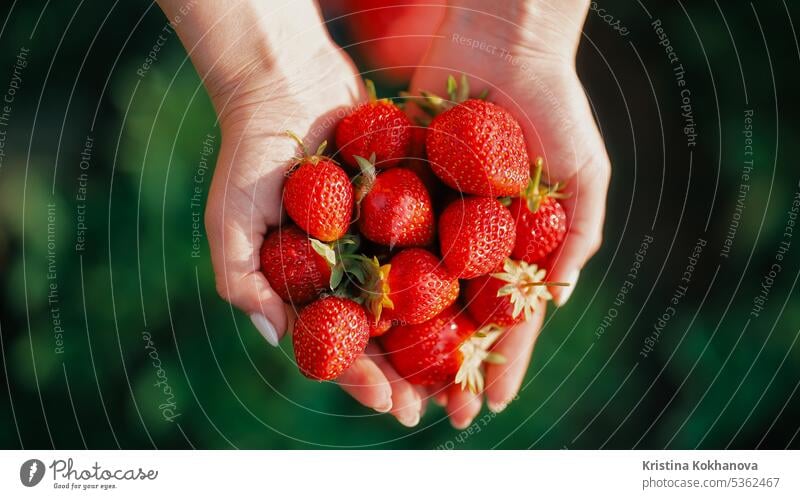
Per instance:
x=255, y=109
x=523, y=54
x=271, y=68
x=306, y=95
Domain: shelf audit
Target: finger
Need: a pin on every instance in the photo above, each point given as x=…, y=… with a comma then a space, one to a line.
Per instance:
x=462, y=406
x=235, y=225
x=406, y=400
x=582, y=153
x=585, y=209
x=366, y=383
x=242, y=284
x=516, y=345
x=438, y=393
x=424, y=397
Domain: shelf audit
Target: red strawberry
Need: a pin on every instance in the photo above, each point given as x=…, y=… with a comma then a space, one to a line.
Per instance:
x=419, y=164
x=541, y=220
x=505, y=298
x=380, y=327
x=318, y=195
x=444, y=349
x=413, y=288
x=328, y=336
x=376, y=127
x=395, y=207
x=485, y=306
x=540, y=232
x=417, y=149
x=475, y=235
x=478, y=148
x=376, y=27
x=294, y=269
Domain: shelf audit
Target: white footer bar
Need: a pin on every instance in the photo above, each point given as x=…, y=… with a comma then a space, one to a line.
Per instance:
x=400, y=474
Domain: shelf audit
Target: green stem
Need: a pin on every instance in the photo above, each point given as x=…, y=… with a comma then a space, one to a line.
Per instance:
x=371, y=92
x=299, y=142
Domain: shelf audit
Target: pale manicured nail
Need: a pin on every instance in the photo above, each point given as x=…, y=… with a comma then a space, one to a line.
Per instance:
x=409, y=420
x=266, y=328
x=462, y=426
x=566, y=292
x=385, y=407
x=497, y=407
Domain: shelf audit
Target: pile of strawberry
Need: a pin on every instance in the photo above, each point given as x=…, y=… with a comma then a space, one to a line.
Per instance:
x=434, y=238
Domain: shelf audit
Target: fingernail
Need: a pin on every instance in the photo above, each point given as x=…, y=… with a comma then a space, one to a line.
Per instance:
x=266, y=328
x=384, y=407
x=462, y=426
x=409, y=420
x=497, y=407
x=566, y=292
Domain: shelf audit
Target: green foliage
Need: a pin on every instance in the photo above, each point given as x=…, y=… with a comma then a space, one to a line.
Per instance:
x=138, y=310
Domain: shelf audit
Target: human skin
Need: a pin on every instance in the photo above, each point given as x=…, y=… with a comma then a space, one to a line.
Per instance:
x=270, y=68
x=523, y=53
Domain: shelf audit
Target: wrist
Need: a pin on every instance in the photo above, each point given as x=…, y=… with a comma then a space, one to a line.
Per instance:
x=230, y=40
x=521, y=26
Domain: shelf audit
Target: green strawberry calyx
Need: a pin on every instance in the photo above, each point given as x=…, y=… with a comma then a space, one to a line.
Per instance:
x=375, y=291
x=367, y=282
x=525, y=286
x=476, y=350
x=536, y=191
x=340, y=256
x=307, y=156
x=366, y=180
x=324, y=250
x=372, y=95
x=433, y=104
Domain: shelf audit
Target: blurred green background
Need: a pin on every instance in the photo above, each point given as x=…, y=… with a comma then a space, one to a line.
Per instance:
x=93, y=335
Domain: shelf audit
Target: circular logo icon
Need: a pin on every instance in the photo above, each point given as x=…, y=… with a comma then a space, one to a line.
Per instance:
x=31, y=472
